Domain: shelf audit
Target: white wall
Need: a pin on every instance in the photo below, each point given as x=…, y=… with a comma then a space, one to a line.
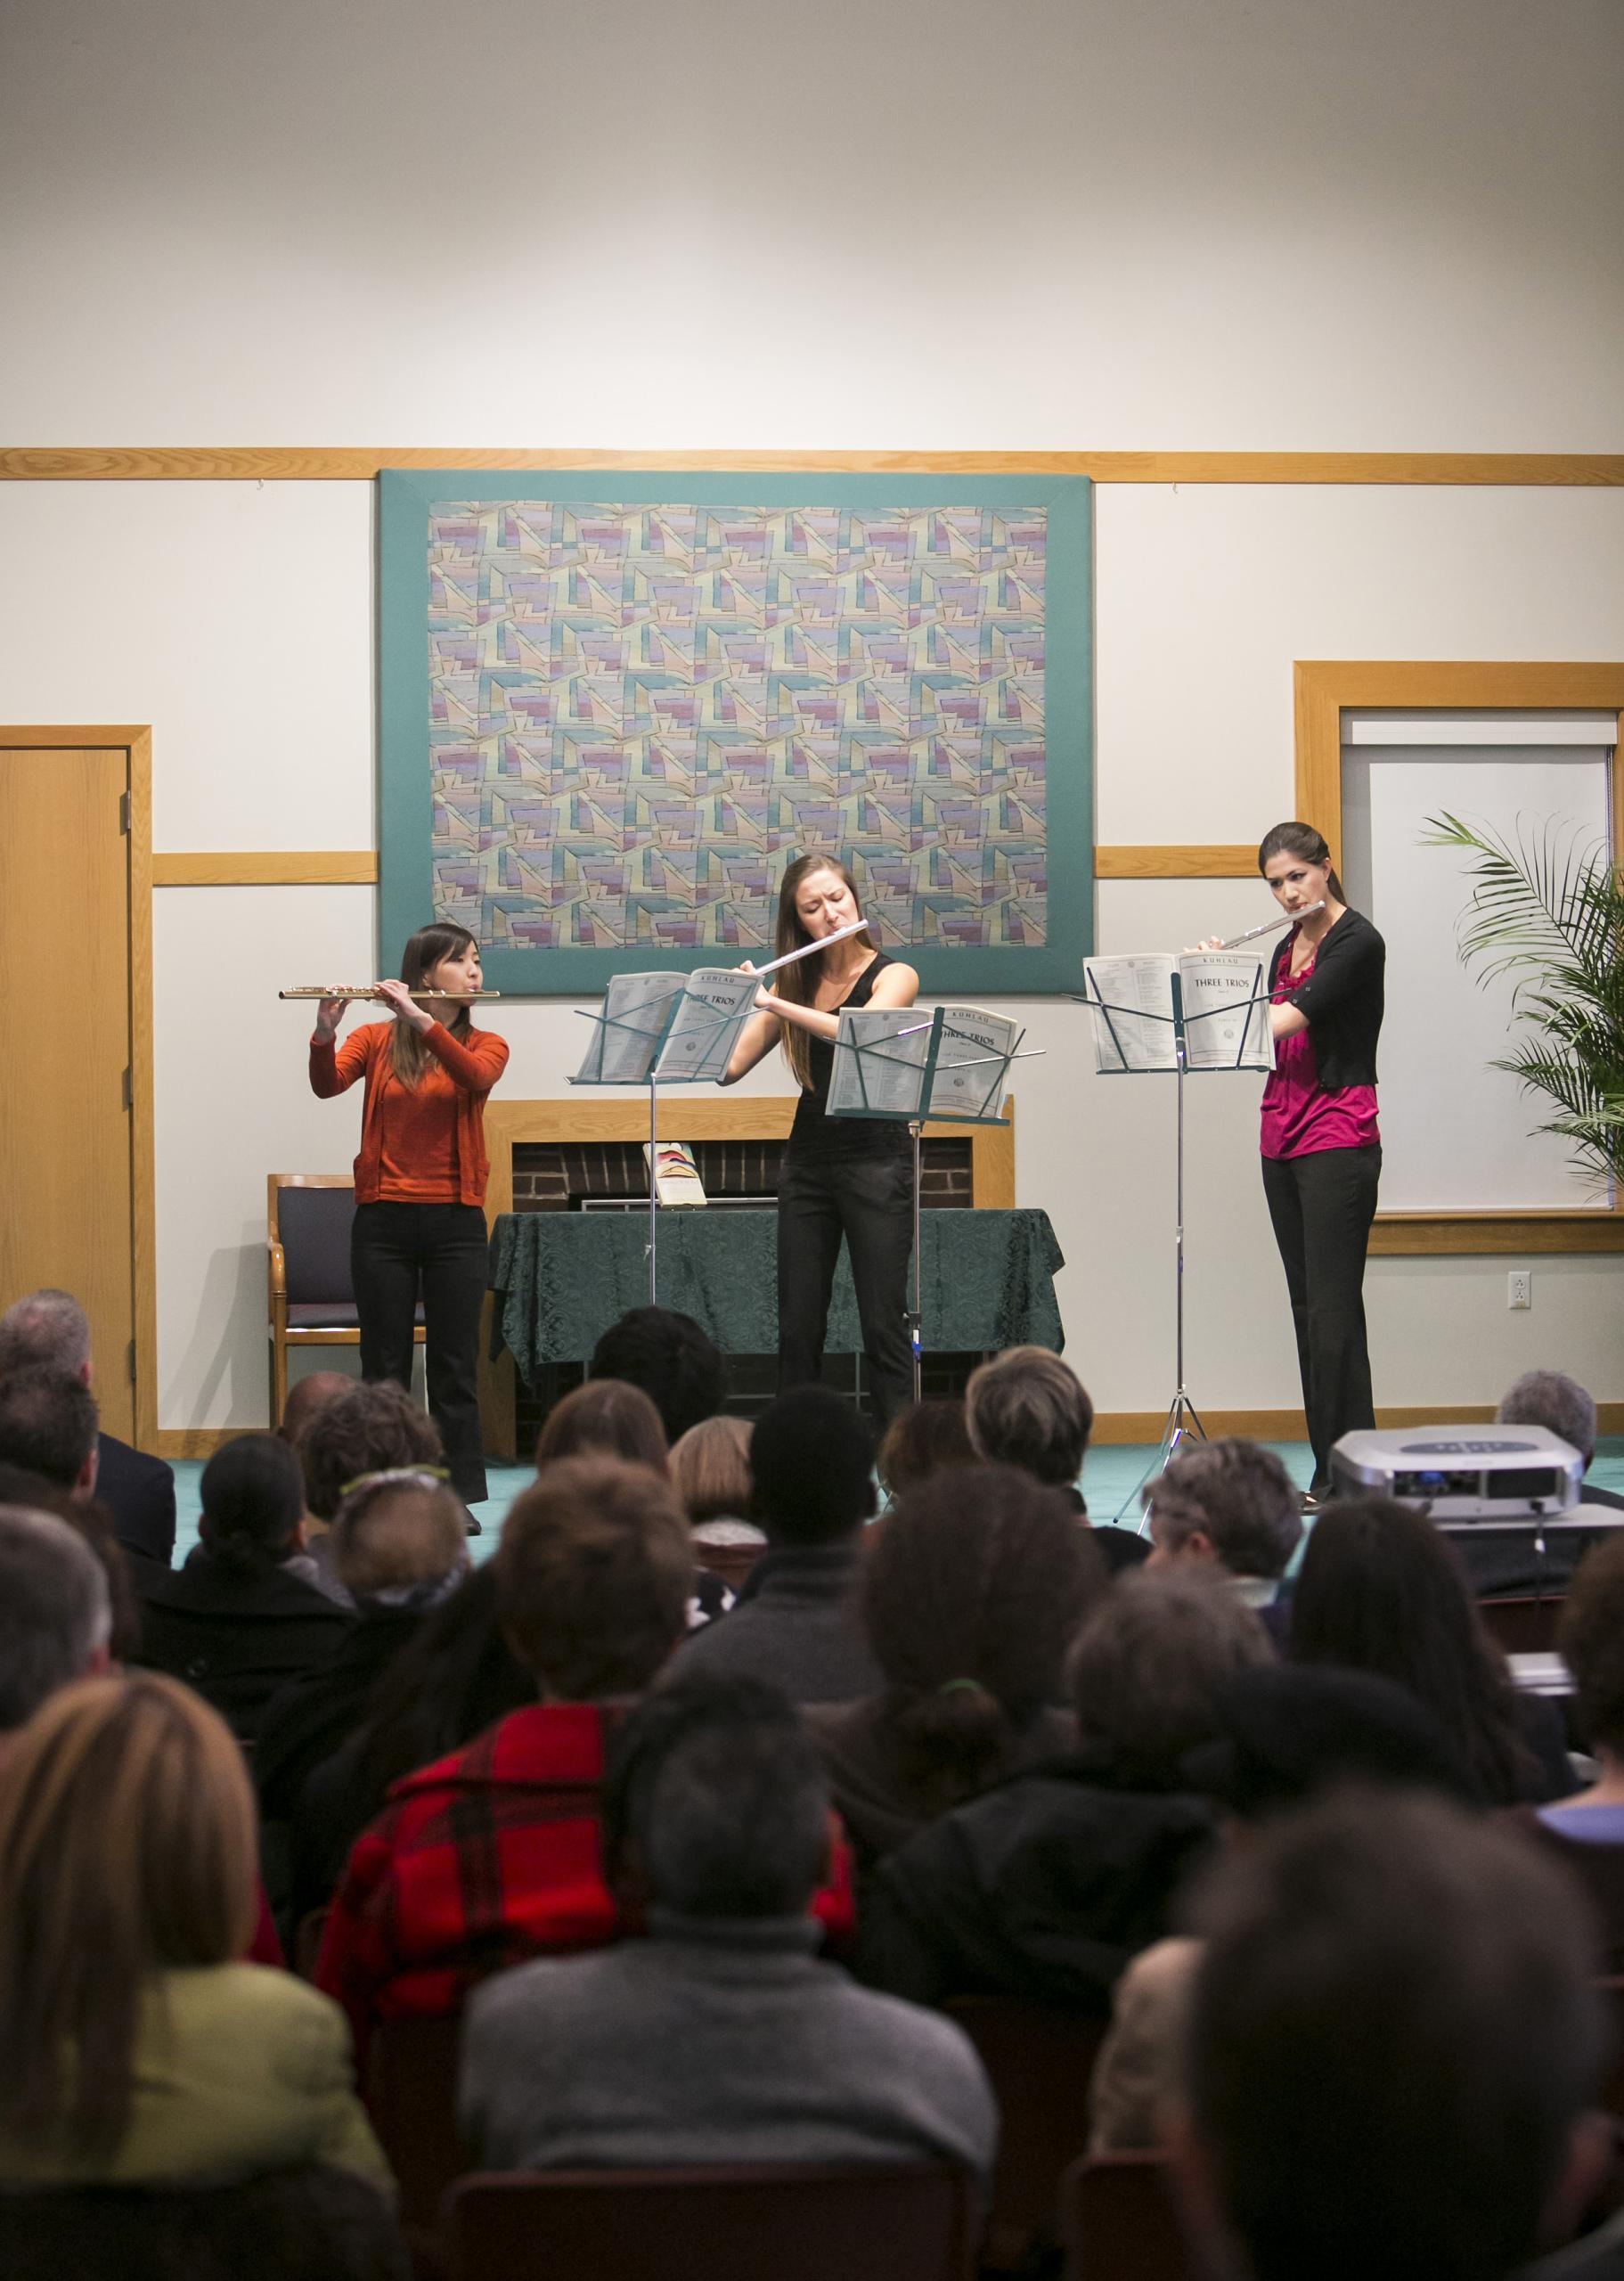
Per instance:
x=1287, y=224
x=1107, y=224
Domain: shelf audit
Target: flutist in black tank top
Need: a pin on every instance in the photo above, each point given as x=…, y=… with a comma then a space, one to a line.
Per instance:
x=841, y=1176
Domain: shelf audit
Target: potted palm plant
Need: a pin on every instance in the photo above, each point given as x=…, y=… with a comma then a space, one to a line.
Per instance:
x=1549, y=910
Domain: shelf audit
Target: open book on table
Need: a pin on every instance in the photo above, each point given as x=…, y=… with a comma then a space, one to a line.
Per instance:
x=1225, y=1015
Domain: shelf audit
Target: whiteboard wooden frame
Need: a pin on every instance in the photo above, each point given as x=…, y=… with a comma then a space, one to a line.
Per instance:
x=1323, y=689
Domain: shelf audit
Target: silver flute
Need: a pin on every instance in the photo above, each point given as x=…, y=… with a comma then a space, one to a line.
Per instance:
x=1286, y=919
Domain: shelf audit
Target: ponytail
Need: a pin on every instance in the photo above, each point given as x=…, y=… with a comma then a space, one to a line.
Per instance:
x=1301, y=839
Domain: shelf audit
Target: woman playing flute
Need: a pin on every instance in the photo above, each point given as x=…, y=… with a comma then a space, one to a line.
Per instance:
x=1322, y=1150
x=419, y=1229
x=850, y=1177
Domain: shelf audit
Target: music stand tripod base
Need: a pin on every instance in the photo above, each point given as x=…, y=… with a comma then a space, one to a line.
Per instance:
x=1183, y=1424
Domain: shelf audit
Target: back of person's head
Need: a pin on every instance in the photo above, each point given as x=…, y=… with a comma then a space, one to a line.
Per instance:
x=1231, y=1499
x=972, y=1588
x=1381, y=1590
x=811, y=1464
x=1289, y=1733
x=48, y=1422
x=56, y=1610
x=400, y=1538
x=454, y=1677
x=1590, y=1636
x=92, y=1521
x=1150, y=1664
x=604, y=1417
x=1027, y=1408
x=717, y=1804
x=710, y=1469
x=1551, y=1399
x=675, y=1362
x=1391, y=2044
x=927, y=1437
x=49, y=1331
x=594, y=1574
x=127, y=1846
x=308, y=1394
x=253, y=1499
x=369, y=1429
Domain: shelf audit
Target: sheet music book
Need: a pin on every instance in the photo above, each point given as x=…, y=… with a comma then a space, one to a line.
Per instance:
x=972, y=1072
x=639, y=1031
x=701, y=1043
x=890, y=1078
x=1132, y=1000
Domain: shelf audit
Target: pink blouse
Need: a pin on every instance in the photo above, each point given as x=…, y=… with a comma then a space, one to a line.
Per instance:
x=1300, y=1117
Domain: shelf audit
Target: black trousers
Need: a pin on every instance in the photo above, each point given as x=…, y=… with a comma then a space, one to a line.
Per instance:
x=1322, y=1206
x=398, y=1252
x=870, y=1201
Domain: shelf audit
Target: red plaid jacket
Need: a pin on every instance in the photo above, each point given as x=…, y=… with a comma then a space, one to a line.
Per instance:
x=482, y=1860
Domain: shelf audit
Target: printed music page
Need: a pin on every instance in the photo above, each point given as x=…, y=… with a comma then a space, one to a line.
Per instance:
x=719, y=1002
x=972, y=1071
x=876, y=1067
x=1226, y=1019
x=1132, y=1002
x=626, y=1036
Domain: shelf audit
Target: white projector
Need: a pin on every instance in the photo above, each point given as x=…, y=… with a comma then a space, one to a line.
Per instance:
x=1461, y=1473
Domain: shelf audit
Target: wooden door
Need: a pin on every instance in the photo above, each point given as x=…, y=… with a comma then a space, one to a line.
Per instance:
x=66, y=1182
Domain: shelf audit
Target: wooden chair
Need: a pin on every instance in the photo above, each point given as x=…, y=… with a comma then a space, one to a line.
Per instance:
x=766, y=2221
x=411, y=2093
x=1120, y=2221
x=311, y=1299
x=1523, y=1625
x=1040, y=2058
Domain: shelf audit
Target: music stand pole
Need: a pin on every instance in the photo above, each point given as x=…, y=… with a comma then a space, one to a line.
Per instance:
x=653, y=1191
x=916, y=1317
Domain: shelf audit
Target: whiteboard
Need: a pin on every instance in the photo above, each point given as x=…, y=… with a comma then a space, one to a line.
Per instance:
x=1455, y=1132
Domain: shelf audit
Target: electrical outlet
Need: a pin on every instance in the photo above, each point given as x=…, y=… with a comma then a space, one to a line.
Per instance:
x=1520, y=1287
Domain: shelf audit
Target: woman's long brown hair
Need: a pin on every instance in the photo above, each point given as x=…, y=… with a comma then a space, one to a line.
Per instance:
x=799, y=983
x=422, y=954
x=127, y=1847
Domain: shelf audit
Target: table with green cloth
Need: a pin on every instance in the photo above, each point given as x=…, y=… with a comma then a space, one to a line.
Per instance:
x=562, y=1278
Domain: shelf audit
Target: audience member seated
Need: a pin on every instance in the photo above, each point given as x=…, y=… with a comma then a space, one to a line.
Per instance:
x=400, y=1549
x=50, y=1328
x=1289, y=1736
x=972, y=1587
x=604, y=1417
x=925, y=1438
x=1586, y=1830
x=1027, y=1408
x=492, y=1854
x=675, y=1363
x=607, y=1418
x=1380, y=1591
x=720, y=2037
x=244, y=1614
x=1392, y=2048
x=48, y=1426
x=90, y=1519
x=374, y=1427
x=55, y=1614
x=455, y=1677
x=1047, y=1886
x=316, y=2223
x=812, y=1456
x=308, y=1394
x=136, y=2048
x=710, y=1471
x=1232, y=1502
x=1531, y=1560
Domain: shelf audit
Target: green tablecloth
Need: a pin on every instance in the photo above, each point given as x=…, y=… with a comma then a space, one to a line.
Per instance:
x=562, y=1278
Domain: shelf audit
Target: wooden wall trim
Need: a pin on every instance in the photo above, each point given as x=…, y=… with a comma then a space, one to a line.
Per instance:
x=254, y=867
x=299, y=464
x=1216, y=863
x=1479, y=1234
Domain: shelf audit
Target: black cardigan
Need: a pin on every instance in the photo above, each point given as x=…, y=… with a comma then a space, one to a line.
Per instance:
x=1343, y=999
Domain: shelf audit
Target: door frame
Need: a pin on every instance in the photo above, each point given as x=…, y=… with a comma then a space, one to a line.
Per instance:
x=136, y=743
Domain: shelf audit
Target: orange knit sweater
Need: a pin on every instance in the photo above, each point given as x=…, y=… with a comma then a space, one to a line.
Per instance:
x=473, y=1066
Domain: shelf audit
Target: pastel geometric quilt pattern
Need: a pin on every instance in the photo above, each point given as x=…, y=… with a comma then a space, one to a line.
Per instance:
x=638, y=714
